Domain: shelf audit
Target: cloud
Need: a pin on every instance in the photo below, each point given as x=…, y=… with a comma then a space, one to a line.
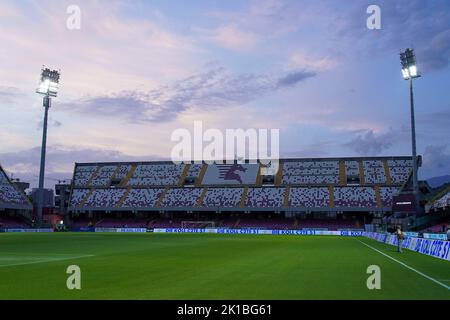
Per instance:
x=265, y=19
x=9, y=94
x=231, y=37
x=302, y=60
x=92, y=58
x=8, y=11
x=318, y=149
x=436, y=55
x=440, y=118
x=436, y=161
x=291, y=79
x=368, y=143
x=404, y=23
x=215, y=88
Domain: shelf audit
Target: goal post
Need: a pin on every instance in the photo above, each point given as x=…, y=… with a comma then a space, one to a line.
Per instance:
x=198, y=224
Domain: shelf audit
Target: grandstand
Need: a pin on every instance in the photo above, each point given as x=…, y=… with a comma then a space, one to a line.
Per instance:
x=336, y=185
x=15, y=207
x=11, y=198
x=442, y=201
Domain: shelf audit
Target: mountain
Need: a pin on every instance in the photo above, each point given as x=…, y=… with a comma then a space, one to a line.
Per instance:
x=436, y=182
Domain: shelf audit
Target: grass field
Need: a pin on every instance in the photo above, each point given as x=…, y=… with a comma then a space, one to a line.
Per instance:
x=211, y=266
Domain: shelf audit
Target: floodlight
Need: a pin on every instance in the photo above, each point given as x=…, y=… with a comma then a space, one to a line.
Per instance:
x=405, y=73
x=48, y=86
x=410, y=72
x=49, y=82
x=409, y=66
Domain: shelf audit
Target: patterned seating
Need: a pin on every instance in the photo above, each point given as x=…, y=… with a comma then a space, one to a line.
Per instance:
x=3, y=178
x=307, y=180
x=9, y=194
x=182, y=197
x=351, y=168
x=105, y=198
x=310, y=172
x=309, y=197
x=194, y=170
x=265, y=197
x=156, y=175
x=386, y=194
x=442, y=202
x=83, y=174
x=223, y=197
x=399, y=170
x=374, y=171
x=78, y=196
x=141, y=198
x=124, y=169
x=354, y=197
x=103, y=176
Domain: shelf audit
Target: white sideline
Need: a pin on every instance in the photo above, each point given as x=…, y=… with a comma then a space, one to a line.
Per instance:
x=406, y=266
x=44, y=261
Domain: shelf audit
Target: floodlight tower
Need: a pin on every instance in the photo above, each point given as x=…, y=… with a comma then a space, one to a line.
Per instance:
x=48, y=87
x=409, y=71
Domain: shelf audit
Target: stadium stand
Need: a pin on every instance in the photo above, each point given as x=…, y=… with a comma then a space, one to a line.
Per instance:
x=354, y=197
x=352, y=168
x=156, y=175
x=223, y=197
x=399, y=170
x=438, y=228
x=194, y=170
x=103, y=176
x=122, y=223
x=78, y=195
x=265, y=197
x=374, y=171
x=309, y=197
x=442, y=202
x=270, y=224
x=310, y=172
x=122, y=171
x=12, y=222
x=10, y=196
x=142, y=198
x=105, y=198
x=302, y=185
x=386, y=194
x=83, y=175
x=328, y=224
x=182, y=197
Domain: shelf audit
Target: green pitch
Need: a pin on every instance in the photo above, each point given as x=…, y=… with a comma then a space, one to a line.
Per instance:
x=211, y=266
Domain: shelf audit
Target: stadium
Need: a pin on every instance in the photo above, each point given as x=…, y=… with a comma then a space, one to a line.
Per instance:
x=224, y=231
x=209, y=151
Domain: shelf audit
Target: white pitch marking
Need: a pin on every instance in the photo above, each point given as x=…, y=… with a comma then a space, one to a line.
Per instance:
x=406, y=266
x=44, y=261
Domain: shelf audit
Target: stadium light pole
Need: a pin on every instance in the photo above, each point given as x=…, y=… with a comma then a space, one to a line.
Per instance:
x=409, y=71
x=48, y=87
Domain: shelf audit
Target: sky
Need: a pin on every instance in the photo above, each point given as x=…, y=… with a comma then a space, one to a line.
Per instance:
x=135, y=71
